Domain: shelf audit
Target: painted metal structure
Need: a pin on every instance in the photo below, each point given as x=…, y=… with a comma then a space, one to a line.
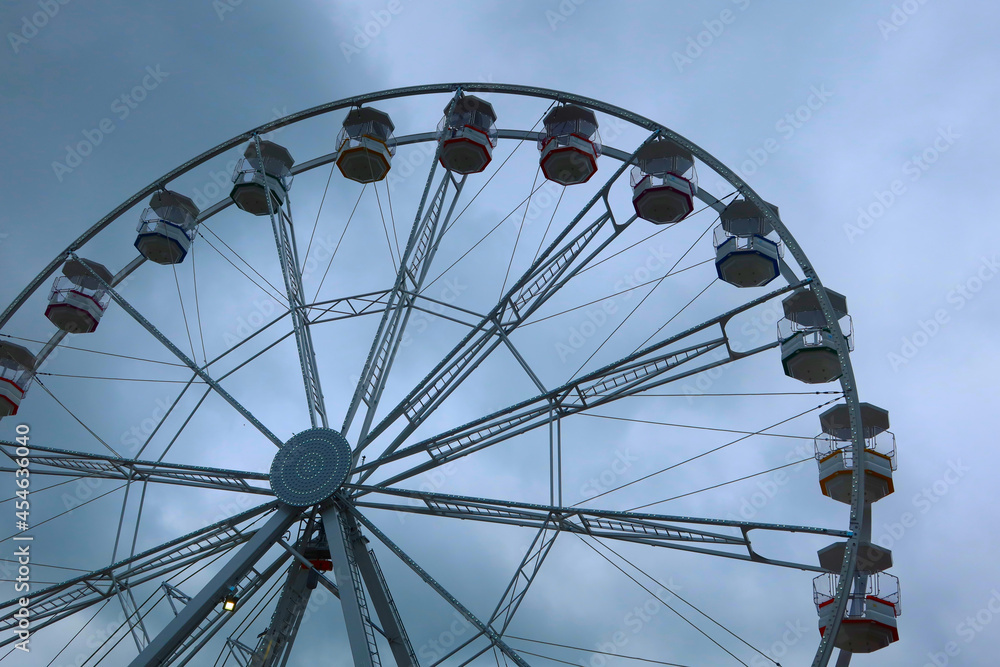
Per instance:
x=332, y=521
x=167, y=228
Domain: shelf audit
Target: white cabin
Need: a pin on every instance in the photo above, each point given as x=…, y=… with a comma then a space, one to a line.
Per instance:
x=835, y=453
x=255, y=175
x=166, y=228
x=468, y=135
x=869, y=622
x=664, y=182
x=569, y=145
x=808, y=353
x=744, y=256
x=365, y=145
x=78, y=299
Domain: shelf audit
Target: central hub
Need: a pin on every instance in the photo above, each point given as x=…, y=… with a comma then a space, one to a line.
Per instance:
x=310, y=467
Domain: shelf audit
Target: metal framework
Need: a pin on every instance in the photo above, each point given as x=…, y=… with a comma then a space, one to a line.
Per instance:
x=333, y=531
x=428, y=228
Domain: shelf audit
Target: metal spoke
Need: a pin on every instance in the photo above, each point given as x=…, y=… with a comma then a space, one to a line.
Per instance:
x=56, y=602
x=385, y=606
x=341, y=531
x=180, y=355
x=274, y=645
x=237, y=573
x=108, y=467
x=284, y=238
x=555, y=458
x=491, y=634
x=525, y=575
x=428, y=229
x=217, y=617
x=640, y=371
x=517, y=588
x=277, y=640
x=564, y=258
x=173, y=593
x=240, y=651
x=136, y=624
x=651, y=529
x=590, y=391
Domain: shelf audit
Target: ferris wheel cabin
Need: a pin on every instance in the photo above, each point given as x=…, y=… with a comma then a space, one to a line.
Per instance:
x=808, y=353
x=166, y=228
x=835, y=455
x=744, y=256
x=468, y=135
x=664, y=182
x=78, y=299
x=366, y=145
x=869, y=621
x=17, y=369
x=255, y=175
x=569, y=145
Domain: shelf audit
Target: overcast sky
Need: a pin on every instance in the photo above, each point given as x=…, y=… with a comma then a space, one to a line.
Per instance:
x=870, y=124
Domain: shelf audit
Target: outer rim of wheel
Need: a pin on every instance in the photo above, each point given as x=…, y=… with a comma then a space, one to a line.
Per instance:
x=847, y=379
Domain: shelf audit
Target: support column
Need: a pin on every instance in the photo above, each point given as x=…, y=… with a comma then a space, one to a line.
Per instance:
x=212, y=594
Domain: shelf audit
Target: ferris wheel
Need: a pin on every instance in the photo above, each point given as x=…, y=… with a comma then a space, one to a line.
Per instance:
x=396, y=393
